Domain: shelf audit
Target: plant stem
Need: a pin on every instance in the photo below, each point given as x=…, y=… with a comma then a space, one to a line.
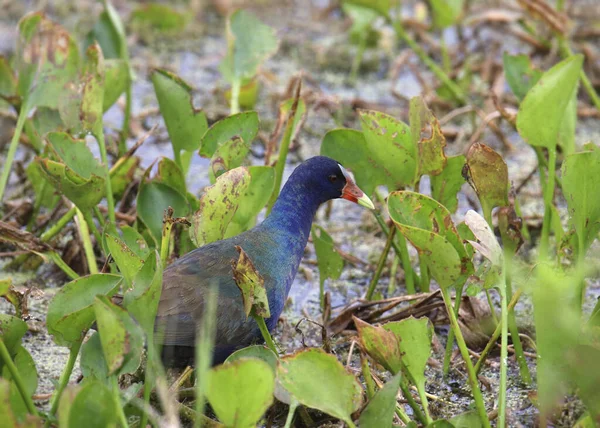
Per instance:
x=99, y=134
x=548, y=198
x=491, y=306
x=366, y=371
x=16, y=377
x=59, y=225
x=435, y=69
x=148, y=380
x=58, y=261
x=425, y=404
x=122, y=147
x=283, y=151
x=412, y=403
x=450, y=341
x=265, y=334
x=66, y=375
x=393, y=271
x=89, y=219
x=235, y=96
x=477, y=396
x=496, y=335
x=503, y=360
x=290, y=415
x=401, y=251
x=380, y=265
x=402, y=415
x=12, y=149
x=425, y=279
x=87, y=242
x=118, y=405
x=166, y=240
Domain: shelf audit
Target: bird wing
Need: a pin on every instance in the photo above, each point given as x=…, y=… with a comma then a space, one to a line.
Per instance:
x=185, y=286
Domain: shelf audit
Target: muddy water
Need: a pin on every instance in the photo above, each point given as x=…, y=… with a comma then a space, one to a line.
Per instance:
x=320, y=49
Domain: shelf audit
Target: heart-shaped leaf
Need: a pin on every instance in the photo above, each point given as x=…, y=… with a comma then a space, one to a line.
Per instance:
x=255, y=351
x=521, y=76
x=541, y=112
x=380, y=410
x=12, y=329
x=185, y=124
x=218, y=205
x=250, y=42
x=446, y=185
x=581, y=181
x=240, y=392
x=29, y=380
x=427, y=137
x=242, y=125
x=127, y=261
x=381, y=345
x=70, y=312
x=93, y=406
x=329, y=388
x=121, y=338
x=228, y=155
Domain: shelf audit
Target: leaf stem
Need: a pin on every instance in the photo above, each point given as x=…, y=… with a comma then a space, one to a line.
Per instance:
x=450, y=340
x=503, y=356
x=380, y=264
x=204, y=350
x=12, y=149
x=393, y=271
x=166, y=241
x=265, y=333
x=58, y=261
x=548, y=198
x=87, y=242
x=99, y=134
x=366, y=372
x=235, y=96
x=118, y=405
x=290, y=415
x=412, y=403
x=477, y=396
x=495, y=335
x=401, y=249
x=357, y=60
x=16, y=377
x=59, y=225
x=66, y=375
x=425, y=279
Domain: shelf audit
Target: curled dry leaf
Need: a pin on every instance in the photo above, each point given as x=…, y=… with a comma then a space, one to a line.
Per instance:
x=488, y=244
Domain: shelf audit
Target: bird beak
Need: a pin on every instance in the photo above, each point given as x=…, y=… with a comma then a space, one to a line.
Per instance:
x=353, y=193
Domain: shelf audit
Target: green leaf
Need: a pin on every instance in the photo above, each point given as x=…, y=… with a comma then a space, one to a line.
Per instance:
x=487, y=173
x=566, y=132
x=92, y=362
x=520, y=74
x=92, y=407
x=250, y=43
x=429, y=227
x=414, y=337
x=541, y=112
x=240, y=392
x=127, y=261
x=120, y=336
x=75, y=154
x=329, y=387
x=185, y=124
x=8, y=82
x=427, y=137
x=253, y=200
x=260, y=352
x=170, y=174
x=109, y=33
x=116, y=80
x=47, y=59
x=362, y=17
x=349, y=147
x=381, y=345
x=159, y=17
x=70, y=312
x=152, y=201
x=81, y=104
x=243, y=125
x=228, y=155
x=29, y=377
x=581, y=181
x=218, y=205
x=446, y=12
x=9, y=419
x=142, y=299
x=122, y=174
x=251, y=285
x=46, y=195
x=328, y=259
x=135, y=242
x=12, y=329
x=380, y=6
x=391, y=148
x=445, y=186
x=467, y=420
x=380, y=410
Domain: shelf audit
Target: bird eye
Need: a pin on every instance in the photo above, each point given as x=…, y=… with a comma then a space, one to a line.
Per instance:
x=333, y=178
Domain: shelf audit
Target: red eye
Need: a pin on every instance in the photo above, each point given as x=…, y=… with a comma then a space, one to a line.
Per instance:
x=333, y=178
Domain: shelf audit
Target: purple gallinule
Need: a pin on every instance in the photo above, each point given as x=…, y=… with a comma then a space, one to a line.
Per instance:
x=275, y=246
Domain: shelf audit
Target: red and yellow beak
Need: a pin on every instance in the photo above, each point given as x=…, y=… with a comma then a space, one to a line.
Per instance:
x=353, y=193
